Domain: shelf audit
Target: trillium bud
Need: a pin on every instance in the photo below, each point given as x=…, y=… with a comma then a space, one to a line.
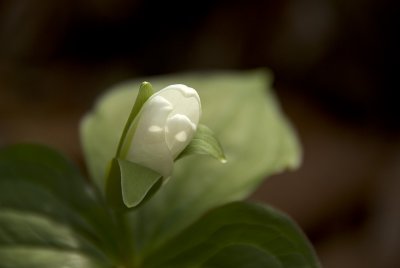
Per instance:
x=163, y=128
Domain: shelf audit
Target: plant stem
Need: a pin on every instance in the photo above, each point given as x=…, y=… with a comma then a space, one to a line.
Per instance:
x=127, y=249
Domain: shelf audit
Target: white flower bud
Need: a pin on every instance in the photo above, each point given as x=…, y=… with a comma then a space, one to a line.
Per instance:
x=165, y=125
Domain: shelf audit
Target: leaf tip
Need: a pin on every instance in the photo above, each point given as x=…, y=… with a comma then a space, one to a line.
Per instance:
x=222, y=158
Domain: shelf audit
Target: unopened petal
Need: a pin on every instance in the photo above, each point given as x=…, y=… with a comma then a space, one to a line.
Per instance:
x=148, y=146
x=179, y=132
x=165, y=126
x=185, y=101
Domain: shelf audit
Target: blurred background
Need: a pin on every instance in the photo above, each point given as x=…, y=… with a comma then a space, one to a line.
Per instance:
x=334, y=68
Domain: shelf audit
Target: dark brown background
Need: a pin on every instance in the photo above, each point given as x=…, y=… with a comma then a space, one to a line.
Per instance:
x=334, y=64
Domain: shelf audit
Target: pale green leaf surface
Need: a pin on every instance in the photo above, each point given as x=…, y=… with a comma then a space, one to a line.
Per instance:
x=49, y=212
x=244, y=115
x=237, y=235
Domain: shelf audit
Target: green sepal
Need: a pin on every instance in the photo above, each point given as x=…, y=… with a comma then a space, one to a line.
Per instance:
x=204, y=142
x=145, y=92
x=130, y=184
x=113, y=186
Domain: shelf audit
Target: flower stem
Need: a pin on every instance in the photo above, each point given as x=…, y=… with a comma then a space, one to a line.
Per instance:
x=125, y=237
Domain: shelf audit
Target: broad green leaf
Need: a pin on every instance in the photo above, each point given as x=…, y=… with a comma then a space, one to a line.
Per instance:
x=237, y=235
x=244, y=115
x=42, y=257
x=49, y=215
x=243, y=256
x=204, y=142
x=34, y=240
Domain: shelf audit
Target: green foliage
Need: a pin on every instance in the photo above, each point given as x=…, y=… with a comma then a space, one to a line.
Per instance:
x=50, y=216
x=237, y=235
x=244, y=115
